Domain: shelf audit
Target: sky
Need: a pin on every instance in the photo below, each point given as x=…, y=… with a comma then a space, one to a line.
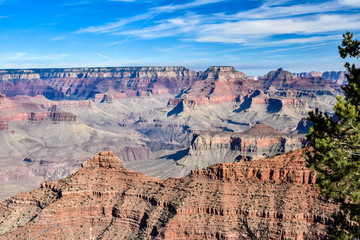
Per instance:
x=253, y=36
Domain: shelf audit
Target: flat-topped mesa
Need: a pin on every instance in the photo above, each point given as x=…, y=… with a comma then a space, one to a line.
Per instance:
x=287, y=168
x=6, y=74
x=222, y=73
x=338, y=77
x=262, y=129
x=85, y=83
x=106, y=160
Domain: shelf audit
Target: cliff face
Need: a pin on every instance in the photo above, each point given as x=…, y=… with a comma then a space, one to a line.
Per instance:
x=83, y=83
x=333, y=76
x=103, y=84
x=259, y=142
x=281, y=80
x=216, y=85
x=24, y=108
x=275, y=198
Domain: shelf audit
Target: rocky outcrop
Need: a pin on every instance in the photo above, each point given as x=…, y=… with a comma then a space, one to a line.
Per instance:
x=215, y=85
x=284, y=83
x=105, y=160
x=274, y=199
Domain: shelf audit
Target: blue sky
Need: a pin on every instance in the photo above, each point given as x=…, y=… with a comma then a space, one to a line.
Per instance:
x=253, y=36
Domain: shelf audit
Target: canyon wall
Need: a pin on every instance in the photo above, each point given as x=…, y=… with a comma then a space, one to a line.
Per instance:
x=273, y=199
x=84, y=83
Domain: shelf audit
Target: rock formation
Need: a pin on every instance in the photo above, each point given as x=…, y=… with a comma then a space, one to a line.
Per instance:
x=333, y=76
x=215, y=85
x=273, y=199
x=281, y=80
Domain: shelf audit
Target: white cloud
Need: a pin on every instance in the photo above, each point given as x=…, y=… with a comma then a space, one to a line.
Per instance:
x=311, y=23
x=353, y=3
x=197, y=28
x=300, y=25
x=151, y=14
x=266, y=11
x=113, y=26
x=196, y=3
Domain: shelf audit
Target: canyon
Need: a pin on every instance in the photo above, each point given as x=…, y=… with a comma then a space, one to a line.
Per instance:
x=274, y=198
x=162, y=121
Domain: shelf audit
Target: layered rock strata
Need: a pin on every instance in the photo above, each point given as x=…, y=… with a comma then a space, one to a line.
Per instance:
x=273, y=199
x=338, y=77
x=258, y=142
x=83, y=83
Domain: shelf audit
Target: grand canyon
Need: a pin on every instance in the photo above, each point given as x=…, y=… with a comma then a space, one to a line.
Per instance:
x=160, y=153
x=179, y=120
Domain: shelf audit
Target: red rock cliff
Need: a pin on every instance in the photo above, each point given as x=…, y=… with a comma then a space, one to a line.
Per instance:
x=276, y=197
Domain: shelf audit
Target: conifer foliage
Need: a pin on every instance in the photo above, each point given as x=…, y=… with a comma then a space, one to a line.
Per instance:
x=336, y=149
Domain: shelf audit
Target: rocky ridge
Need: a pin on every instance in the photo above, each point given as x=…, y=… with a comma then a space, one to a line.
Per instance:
x=84, y=83
x=333, y=76
x=275, y=198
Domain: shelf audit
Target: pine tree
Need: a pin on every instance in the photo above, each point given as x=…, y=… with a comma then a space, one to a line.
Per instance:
x=336, y=149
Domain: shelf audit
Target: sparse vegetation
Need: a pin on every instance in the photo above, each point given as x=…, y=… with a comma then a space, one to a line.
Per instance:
x=336, y=149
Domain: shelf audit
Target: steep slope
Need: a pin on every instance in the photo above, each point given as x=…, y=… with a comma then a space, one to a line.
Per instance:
x=275, y=198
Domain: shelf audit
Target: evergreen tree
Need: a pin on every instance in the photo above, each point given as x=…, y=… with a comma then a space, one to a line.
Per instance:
x=336, y=149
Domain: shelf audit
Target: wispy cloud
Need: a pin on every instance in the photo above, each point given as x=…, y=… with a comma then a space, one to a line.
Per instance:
x=113, y=26
x=103, y=56
x=73, y=4
x=353, y=3
x=197, y=28
x=30, y=56
x=58, y=38
x=252, y=27
x=121, y=0
x=197, y=3
x=148, y=16
x=170, y=49
x=267, y=11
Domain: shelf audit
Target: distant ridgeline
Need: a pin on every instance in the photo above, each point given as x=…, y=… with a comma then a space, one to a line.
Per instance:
x=334, y=76
x=122, y=82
